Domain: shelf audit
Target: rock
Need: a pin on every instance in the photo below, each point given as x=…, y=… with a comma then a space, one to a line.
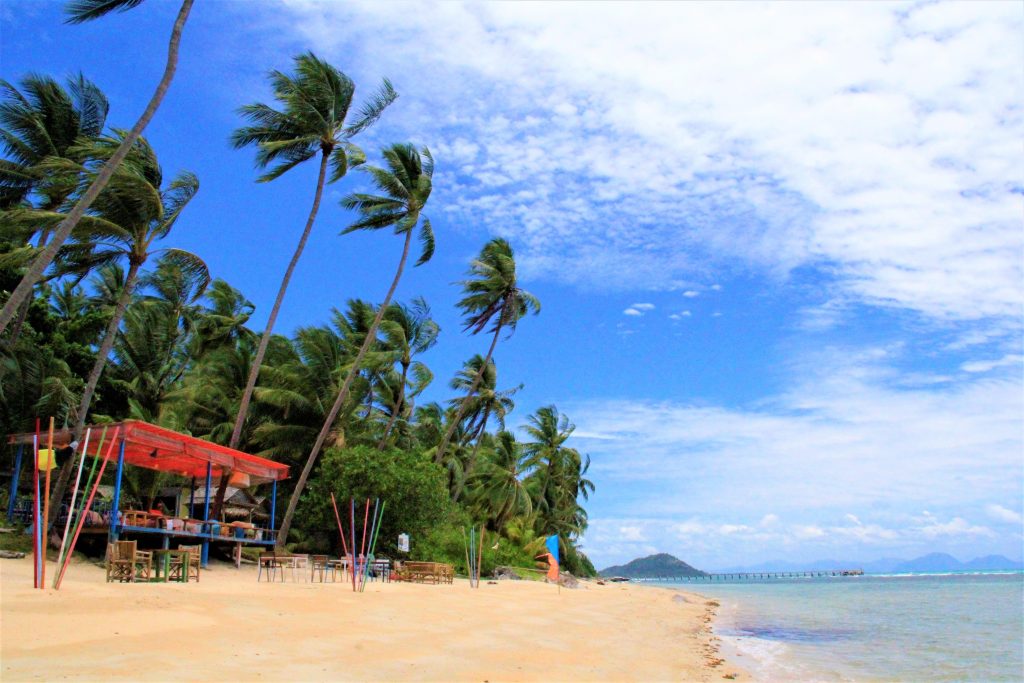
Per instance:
x=506, y=574
x=11, y=554
x=712, y=603
x=567, y=580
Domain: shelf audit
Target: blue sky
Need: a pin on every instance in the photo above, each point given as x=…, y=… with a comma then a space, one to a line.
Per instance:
x=779, y=246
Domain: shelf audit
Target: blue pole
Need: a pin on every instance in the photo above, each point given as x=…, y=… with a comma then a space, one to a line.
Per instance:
x=273, y=506
x=192, y=500
x=115, y=503
x=14, y=482
x=206, y=513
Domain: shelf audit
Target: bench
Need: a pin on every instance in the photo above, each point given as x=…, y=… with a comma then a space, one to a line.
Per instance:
x=424, y=572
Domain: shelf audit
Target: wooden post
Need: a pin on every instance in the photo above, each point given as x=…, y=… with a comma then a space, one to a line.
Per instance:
x=35, y=507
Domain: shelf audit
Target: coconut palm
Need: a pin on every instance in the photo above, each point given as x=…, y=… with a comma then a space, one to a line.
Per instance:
x=408, y=330
x=314, y=105
x=486, y=402
x=406, y=184
x=45, y=120
x=80, y=11
x=130, y=217
x=557, y=472
x=500, y=487
x=493, y=297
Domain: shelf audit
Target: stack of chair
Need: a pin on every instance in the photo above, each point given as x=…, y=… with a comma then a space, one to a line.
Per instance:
x=125, y=562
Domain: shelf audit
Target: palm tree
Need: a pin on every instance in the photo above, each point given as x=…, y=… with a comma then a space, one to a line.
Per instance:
x=485, y=402
x=80, y=11
x=315, y=103
x=130, y=217
x=44, y=121
x=500, y=486
x=314, y=106
x=492, y=297
x=408, y=330
x=406, y=184
x=558, y=472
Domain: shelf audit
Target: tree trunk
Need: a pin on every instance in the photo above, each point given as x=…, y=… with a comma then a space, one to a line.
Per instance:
x=462, y=406
x=398, y=407
x=261, y=350
x=371, y=337
x=109, y=335
x=471, y=464
x=63, y=231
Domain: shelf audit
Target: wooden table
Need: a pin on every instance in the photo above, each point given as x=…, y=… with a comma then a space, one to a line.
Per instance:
x=162, y=559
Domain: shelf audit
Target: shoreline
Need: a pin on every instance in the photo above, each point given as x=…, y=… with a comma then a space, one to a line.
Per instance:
x=229, y=627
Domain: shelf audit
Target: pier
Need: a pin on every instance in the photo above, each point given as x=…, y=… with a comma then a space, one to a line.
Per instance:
x=755, y=576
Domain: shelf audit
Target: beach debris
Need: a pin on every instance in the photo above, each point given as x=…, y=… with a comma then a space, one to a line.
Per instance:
x=679, y=598
x=712, y=603
x=11, y=555
x=729, y=676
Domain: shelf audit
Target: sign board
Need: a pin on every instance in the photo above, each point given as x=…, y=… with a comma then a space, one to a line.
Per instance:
x=403, y=542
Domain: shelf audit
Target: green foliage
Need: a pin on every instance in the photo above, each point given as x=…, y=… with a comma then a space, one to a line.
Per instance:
x=411, y=486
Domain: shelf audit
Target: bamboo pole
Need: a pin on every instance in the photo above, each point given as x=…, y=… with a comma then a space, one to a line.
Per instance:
x=71, y=507
x=366, y=560
x=341, y=532
x=363, y=542
x=81, y=518
x=46, y=501
x=376, y=531
x=35, y=507
x=352, y=530
x=480, y=556
x=92, y=472
x=465, y=542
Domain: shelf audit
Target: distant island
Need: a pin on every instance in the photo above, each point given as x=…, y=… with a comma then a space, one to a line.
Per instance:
x=933, y=562
x=651, y=566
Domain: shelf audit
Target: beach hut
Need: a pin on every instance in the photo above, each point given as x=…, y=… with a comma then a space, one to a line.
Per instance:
x=141, y=444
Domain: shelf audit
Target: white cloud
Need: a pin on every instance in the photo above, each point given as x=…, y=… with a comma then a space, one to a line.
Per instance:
x=880, y=142
x=691, y=293
x=680, y=315
x=633, y=312
x=1001, y=514
x=1010, y=359
x=643, y=307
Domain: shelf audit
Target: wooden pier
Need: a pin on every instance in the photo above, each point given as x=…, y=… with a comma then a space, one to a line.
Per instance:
x=756, y=576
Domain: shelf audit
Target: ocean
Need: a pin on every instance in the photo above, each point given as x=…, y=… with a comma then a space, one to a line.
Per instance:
x=910, y=627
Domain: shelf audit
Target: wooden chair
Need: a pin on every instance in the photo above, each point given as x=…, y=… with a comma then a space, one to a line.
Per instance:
x=125, y=562
x=195, y=556
x=318, y=564
x=269, y=561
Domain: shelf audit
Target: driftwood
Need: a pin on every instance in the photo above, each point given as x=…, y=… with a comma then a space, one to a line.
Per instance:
x=11, y=555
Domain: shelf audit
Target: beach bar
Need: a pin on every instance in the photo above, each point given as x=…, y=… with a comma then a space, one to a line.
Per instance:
x=141, y=444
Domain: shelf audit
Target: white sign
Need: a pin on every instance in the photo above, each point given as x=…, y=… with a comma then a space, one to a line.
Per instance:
x=403, y=542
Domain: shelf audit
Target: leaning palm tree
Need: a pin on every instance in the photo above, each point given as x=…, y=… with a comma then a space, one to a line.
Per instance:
x=493, y=297
x=129, y=218
x=500, y=487
x=314, y=105
x=42, y=120
x=406, y=184
x=408, y=330
x=80, y=11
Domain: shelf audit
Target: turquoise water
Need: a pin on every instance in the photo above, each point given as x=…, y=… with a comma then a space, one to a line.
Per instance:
x=924, y=627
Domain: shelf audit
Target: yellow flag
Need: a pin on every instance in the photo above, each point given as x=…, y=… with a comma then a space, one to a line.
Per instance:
x=47, y=459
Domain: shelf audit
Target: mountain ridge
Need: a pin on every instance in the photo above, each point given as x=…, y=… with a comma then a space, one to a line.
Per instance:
x=661, y=564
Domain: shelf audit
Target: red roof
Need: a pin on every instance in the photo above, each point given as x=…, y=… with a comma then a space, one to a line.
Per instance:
x=156, y=448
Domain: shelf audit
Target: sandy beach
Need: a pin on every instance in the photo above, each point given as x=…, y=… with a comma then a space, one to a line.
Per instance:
x=229, y=627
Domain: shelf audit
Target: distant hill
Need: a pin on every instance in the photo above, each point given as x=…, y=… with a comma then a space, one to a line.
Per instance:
x=661, y=564
x=992, y=562
x=941, y=562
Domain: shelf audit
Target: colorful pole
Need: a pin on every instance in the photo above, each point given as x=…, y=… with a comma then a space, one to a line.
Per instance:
x=376, y=531
x=46, y=501
x=92, y=473
x=81, y=518
x=352, y=530
x=341, y=532
x=363, y=544
x=373, y=524
x=71, y=508
x=35, y=507
x=12, y=498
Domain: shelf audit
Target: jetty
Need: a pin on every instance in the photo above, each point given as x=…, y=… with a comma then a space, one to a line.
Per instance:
x=757, y=576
